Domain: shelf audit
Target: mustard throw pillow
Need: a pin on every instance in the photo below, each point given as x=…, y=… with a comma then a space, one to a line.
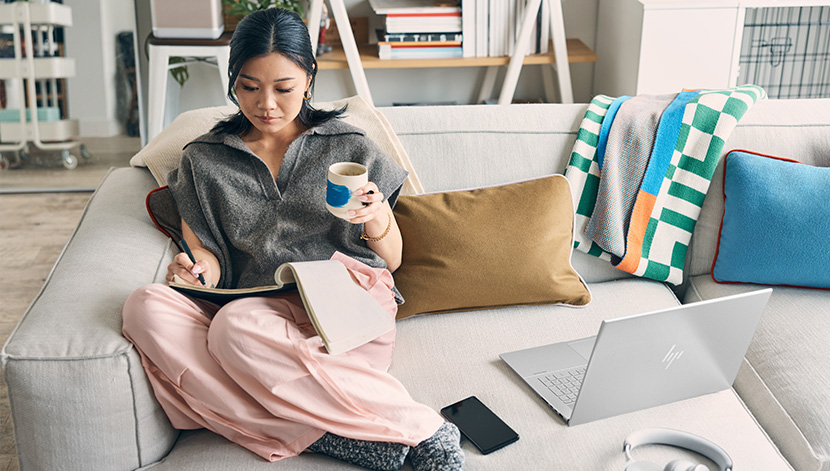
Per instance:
x=488, y=247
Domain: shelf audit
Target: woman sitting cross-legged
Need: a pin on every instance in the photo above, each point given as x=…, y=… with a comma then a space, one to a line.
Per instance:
x=250, y=197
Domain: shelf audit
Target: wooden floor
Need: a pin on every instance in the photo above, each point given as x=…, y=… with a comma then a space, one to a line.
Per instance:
x=44, y=171
x=34, y=227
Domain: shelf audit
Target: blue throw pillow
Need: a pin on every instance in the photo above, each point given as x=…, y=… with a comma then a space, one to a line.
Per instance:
x=776, y=222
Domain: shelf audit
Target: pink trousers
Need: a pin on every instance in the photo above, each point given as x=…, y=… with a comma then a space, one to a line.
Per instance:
x=256, y=372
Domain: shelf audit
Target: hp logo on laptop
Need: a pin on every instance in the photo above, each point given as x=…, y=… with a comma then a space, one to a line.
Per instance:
x=672, y=355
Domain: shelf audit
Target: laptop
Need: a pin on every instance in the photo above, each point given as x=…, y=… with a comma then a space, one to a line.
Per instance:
x=644, y=360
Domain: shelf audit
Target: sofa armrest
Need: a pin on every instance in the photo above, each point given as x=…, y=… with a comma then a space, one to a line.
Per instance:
x=78, y=394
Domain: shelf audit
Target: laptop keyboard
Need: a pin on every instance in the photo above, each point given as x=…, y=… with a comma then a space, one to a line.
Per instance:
x=564, y=384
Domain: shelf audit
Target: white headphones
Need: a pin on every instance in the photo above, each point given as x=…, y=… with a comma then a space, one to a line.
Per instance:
x=664, y=436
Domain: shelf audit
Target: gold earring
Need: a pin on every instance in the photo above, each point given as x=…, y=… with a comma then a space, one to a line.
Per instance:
x=307, y=95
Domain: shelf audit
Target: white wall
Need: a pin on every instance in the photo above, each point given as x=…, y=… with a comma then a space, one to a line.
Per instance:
x=203, y=88
x=92, y=42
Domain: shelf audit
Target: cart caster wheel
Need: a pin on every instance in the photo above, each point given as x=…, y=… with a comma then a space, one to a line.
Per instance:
x=69, y=160
x=85, y=153
x=23, y=155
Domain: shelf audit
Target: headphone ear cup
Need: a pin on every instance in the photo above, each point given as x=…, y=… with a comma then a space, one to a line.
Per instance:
x=642, y=466
x=683, y=465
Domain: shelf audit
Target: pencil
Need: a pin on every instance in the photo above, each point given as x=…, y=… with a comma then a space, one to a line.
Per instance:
x=192, y=259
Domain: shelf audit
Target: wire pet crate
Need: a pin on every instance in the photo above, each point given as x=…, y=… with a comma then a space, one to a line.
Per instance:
x=786, y=50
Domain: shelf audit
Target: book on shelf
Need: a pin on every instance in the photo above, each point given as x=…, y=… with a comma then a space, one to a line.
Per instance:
x=424, y=23
x=407, y=44
x=387, y=51
x=468, y=27
x=383, y=36
x=490, y=27
x=498, y=24
x=408, y=20
x=428, y=45
x=344, y=314
x=487, y=28
x=385, y=7
x=481, y=19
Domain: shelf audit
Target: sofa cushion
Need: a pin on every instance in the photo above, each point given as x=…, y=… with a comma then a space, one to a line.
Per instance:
x=775, y=222
x=442, y=359
x=471, y=146
x=161, y=207
x=786, y=377
x=798, y=129
x=487, y=247
x=163, y=153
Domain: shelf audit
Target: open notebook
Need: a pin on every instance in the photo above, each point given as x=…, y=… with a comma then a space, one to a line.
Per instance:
x=344, y=314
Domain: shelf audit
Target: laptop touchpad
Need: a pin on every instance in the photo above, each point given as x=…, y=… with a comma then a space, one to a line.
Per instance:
x=584, y=347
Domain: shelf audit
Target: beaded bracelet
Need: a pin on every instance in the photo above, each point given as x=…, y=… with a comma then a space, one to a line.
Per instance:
x=365, y=236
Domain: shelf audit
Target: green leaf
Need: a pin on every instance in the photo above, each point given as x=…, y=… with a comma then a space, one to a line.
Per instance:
x=180, y=74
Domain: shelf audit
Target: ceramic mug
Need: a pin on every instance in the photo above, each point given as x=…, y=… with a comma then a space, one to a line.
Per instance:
x=344, y=178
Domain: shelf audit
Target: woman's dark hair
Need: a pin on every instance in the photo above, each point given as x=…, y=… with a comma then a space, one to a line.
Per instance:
x=265, y=32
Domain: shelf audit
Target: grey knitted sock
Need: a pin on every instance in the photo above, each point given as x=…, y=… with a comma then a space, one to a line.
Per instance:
x=381, y=456
x=440, y=452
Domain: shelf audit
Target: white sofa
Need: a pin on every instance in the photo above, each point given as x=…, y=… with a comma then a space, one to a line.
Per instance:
x=80, y=399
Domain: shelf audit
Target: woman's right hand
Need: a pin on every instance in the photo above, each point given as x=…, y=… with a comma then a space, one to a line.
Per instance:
x=206, y=263
x=188, y=271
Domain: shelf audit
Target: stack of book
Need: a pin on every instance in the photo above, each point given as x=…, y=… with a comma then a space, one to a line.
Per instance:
x=471, y=28
x=419, y=29
x=498, y=23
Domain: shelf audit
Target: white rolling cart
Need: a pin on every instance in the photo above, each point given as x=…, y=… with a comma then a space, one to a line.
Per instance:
x=35, y=62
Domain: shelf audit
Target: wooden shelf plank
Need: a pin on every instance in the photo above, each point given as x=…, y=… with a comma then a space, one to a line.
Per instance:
x=577, y=52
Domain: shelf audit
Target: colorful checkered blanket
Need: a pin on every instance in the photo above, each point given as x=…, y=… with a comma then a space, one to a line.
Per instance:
x=640, y=169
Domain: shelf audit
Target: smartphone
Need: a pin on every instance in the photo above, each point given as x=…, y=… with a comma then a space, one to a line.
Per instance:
x=480, y=425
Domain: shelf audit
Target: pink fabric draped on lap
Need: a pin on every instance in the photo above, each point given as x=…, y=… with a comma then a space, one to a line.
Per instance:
x=256, y=372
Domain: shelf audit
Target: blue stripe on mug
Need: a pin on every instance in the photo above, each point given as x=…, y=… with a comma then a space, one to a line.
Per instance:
x=337, y=195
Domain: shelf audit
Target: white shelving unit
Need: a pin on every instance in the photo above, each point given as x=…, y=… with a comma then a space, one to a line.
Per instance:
x=33, y=24
x=663, y=46
x=514, y=62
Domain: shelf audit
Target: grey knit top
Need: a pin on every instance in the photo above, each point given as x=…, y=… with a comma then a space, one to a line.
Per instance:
x=252, y=224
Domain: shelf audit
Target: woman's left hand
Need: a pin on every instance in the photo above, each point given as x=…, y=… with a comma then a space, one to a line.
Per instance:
x=373, y=205
x=379, y=226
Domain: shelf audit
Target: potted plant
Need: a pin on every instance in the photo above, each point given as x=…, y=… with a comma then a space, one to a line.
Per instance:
x=235, y=10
